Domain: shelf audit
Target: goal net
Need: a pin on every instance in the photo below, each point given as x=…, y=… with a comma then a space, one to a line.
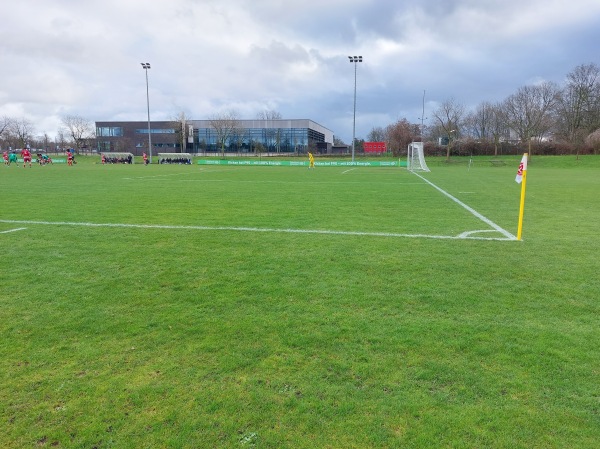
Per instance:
x=416, y=158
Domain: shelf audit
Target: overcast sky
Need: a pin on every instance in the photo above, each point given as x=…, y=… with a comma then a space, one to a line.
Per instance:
x=82, y=57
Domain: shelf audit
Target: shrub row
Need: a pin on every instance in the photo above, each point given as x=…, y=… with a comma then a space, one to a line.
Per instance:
x=474, y=148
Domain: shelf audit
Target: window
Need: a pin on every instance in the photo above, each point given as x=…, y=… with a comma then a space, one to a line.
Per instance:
x=109, y=131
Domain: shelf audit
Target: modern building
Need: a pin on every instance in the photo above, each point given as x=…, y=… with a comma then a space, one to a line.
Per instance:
x=213, y=136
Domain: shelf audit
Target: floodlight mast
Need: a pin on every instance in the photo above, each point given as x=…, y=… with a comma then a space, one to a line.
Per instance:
x=146, y=66
x=355, y=60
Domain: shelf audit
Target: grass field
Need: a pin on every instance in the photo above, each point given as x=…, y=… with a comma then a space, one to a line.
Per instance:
x=273, y=307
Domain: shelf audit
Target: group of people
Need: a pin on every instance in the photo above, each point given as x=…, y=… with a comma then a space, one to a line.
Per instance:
x=9, y=158
x=117, y=160
x=121, y=159
x=12, y=157
x=42, y=159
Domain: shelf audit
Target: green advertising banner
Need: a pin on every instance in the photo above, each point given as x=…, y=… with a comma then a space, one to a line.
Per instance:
x=304, y=163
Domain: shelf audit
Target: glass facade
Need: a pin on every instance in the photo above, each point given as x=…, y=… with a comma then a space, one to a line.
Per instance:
x=295, y=136
x=256, y=140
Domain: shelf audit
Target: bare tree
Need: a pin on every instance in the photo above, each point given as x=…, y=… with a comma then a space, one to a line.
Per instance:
x=477, y=122
x=80, y=130
x=181, y=125
x=237, y=137
x=487, y=124
x=4, y=125
x=578, y=104
x=225, y=125
x=268, y=115
x=529, y=111
x=61, y=139
x=377, y=134
x=338, y=142
x=47, y=141
x=5, y=130
x=498, y=127
x=449, y=117
x=22, y=131
x=273, y=134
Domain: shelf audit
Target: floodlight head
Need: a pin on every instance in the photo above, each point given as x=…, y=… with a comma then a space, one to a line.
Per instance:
x=145, y=65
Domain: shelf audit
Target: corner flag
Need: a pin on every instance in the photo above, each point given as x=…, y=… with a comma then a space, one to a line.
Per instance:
x=522, y=179
x=522, y=168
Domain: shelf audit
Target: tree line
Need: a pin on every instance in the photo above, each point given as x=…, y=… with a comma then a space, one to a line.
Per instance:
x=77, y=133
x=544, y=118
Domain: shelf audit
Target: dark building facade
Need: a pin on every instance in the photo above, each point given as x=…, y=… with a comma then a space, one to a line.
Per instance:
x=205, y=136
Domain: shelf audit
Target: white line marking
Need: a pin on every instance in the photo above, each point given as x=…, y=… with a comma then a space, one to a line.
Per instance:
x=470, y=209
x=462, y=236
x=469, y=233
x=346, y=171
x=12, y=230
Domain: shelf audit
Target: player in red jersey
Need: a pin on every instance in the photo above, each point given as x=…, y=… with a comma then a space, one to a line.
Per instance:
x=103, y=159
x=26, y=154
x=5, y=157
x=69, y=158
x=145, y=157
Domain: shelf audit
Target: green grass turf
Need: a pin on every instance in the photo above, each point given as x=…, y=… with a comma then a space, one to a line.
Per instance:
x=150, y=337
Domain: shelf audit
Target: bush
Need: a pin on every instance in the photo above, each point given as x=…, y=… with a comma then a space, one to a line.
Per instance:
x=470, y=147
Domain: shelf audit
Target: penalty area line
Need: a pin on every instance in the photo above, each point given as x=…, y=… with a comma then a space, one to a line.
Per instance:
x=487, y=221
x=463, y=236
x=12, y=230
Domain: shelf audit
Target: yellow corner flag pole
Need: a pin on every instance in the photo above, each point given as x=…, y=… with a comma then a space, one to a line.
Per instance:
x=522, y=179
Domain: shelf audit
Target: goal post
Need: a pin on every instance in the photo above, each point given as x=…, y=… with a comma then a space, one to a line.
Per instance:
x=416, y=157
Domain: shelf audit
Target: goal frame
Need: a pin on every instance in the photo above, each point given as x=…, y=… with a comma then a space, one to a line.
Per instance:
x=415, y=160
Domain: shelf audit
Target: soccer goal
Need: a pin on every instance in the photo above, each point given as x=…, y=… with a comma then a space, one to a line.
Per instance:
x=416, y=158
